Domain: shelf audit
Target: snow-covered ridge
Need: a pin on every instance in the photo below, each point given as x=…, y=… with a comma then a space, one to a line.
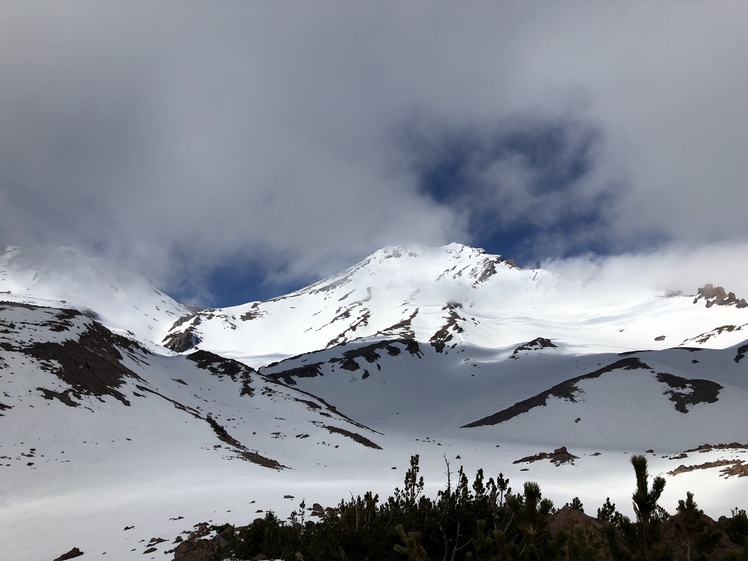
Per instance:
x=450, y=353
x=65, y=277
x=457, y=295
x=444, y=296
x=399, y=291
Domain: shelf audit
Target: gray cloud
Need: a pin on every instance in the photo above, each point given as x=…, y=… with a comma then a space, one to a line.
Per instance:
x=181, y=135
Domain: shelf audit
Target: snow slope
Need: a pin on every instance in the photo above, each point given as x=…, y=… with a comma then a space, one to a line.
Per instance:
x=113, y=463
x=111, y=443
x=91, y=420
x=64, y=277
x=460, y=295
x=669, y=400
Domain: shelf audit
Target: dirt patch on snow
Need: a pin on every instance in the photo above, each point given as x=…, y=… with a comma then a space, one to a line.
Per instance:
x=253, y=313
x=307, y=371
x=353, y=436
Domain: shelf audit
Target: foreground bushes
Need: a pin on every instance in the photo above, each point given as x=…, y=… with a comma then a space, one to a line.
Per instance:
x=486, y=521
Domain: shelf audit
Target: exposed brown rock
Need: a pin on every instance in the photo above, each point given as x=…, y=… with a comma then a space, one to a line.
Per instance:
x=72, y=554
x=718, y=296
x=535, y=345
x=557, y=457
x=195, y=550
x=91, y=366
x=730, y=468
x=354, y=436
x=443, y=335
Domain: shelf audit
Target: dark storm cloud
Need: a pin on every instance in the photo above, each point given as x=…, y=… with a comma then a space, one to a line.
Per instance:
x=185, y=136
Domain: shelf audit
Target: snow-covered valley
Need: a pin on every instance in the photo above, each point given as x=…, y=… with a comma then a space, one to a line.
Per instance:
x=127, y=418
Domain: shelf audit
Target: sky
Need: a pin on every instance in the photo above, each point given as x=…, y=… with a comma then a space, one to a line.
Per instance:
x=232, y=151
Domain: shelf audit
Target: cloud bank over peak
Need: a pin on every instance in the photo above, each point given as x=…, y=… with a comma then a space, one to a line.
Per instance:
x=289, y=141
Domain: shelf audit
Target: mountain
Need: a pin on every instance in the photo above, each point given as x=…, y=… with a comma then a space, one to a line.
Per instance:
x=456, y=296
x=127, y=418
x=67, y=278
x=100, y=432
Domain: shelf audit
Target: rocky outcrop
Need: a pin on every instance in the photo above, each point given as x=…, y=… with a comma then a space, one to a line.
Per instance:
x=181, y=340
x=718, y=296
x=536, y=344
x=72, y=554
x=558, y=457
x=451, y=327
x=195, y=550
x=567, y=390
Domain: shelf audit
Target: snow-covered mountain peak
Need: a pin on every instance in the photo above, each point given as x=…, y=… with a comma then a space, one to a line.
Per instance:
x=416, y=264
x=407, y=291
x=457, y=297
x=454, y=250
x=65, y=277
x=445, y=352
x=444, y=257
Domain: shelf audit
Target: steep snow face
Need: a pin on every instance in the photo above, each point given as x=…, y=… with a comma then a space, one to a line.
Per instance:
x=63, y=277
x=453, y=296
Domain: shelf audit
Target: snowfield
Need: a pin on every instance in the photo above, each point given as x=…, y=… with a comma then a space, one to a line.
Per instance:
x=112, y=442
